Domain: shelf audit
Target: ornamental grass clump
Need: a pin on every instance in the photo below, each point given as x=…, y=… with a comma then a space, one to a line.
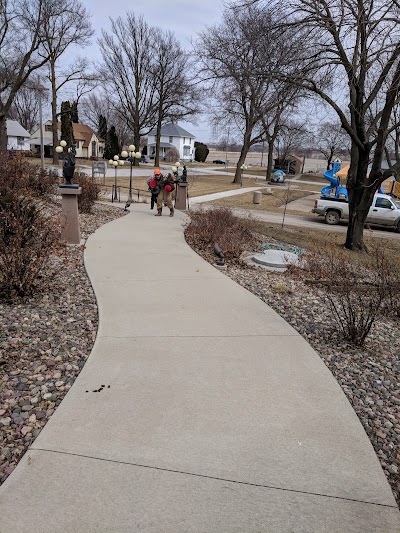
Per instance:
x=220, y=225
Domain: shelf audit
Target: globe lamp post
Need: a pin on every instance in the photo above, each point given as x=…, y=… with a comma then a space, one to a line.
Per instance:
x=131, y=155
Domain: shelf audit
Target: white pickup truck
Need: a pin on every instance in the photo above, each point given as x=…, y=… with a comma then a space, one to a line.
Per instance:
x=384, y=211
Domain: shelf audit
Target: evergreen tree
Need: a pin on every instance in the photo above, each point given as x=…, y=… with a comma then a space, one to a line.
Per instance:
x=74, y=112
x=102, y=127
x=201, y=152
x=112, y=143
x=67, y=133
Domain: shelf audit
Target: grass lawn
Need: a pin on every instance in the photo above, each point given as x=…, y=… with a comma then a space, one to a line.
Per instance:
x=318, y=240
x=269, y=202
x=198, y=184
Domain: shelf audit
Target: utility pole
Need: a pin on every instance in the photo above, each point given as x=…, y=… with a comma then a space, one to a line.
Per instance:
x=39, y=88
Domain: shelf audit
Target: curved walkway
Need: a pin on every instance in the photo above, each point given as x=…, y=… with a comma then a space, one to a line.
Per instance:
x=199, y=410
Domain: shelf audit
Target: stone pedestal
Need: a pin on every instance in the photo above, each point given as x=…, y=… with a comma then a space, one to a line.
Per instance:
x=70, y=232
x=181, y=196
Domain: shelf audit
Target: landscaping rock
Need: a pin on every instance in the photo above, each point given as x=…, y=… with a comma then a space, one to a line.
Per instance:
x=43, y=352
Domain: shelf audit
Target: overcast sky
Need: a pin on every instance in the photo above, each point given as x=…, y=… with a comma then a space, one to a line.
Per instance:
x=184, y=17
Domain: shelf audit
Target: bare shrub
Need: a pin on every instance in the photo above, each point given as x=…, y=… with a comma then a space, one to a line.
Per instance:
x=16, y=173
x=90, y=192
x=356, y=295
x=172, y=155
x=221, y=226
x=28, y=237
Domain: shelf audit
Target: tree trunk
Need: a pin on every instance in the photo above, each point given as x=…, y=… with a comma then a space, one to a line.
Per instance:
x=360, y=200
x=3, y=133
x=54, y=120
x=136, y=138
x=270, y=160
x=242, y=158
x=158, y=138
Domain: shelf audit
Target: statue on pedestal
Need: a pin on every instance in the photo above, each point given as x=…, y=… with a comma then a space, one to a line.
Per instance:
x=69, y=166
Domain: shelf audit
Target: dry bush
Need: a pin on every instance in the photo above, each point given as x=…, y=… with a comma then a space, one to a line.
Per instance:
x=16, y=173
x=219, y=225
x=28, y=237
x=90, y=192
x=172, y=155
x=356, y=295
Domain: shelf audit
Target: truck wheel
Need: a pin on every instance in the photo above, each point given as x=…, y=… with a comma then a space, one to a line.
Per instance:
x=332, y=217
x=398, y=227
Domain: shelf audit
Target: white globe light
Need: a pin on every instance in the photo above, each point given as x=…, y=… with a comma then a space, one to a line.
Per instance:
x=59, y=149
x=115, y=163
x=63, y=144
x=110, y=162
x=131, y=147
x=138, y=155
x=116, y=158
x=177, y=164
x=124, y=153
x=174, y=169
x=122, y=163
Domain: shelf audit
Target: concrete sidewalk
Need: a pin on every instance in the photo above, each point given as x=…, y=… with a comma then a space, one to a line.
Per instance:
x=213, y=413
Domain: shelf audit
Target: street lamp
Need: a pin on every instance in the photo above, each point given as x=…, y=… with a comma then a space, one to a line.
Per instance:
x=115, y=163
x=131, y=156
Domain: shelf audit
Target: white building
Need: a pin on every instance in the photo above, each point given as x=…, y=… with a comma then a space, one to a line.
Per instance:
x=172, y=136
x=88, y=144
x=17, y=136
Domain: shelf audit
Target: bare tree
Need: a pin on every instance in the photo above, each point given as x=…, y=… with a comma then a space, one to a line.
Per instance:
x=129, y=72
x=351, y=48
x=25, y=108
x=331, y=140
x=231, y=55
x=290, y=137
x=99, y=104
x=176, y=95
x=20, y=39
x=68, y=24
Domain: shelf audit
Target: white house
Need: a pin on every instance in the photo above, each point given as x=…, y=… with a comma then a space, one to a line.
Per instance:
x=17, y=136
x=88, y=143
x=172, y=136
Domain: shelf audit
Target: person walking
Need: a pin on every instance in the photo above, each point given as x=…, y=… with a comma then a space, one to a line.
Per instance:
x=166, y=185
x=153, y=187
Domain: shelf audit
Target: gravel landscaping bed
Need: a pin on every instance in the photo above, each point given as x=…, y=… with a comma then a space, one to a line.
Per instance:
x=44, y=343
x=369, y=376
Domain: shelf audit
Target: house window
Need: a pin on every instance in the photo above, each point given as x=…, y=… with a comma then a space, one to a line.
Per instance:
x=186, y=151
x=184, y=140
x=94, y=144
x=77, y=144
x=20, y=141
x=170, y=140
x=48, y=127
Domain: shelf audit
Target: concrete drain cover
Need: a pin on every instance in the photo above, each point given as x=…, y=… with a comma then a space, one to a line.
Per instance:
x=277, y=259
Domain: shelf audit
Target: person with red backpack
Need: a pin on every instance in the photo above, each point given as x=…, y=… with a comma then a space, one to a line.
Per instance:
x=166, y=185
x=153, y=187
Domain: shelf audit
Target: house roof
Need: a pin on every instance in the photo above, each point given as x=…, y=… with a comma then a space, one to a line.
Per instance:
x=163, y=145
x=36, y=142
x=172, y=130
x=81, y=133
x=14, y=129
